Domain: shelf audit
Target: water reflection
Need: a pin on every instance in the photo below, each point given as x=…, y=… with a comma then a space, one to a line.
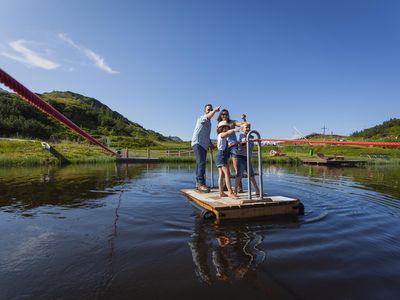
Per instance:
x=368, y=180
x=225, y=252
x=142, y=228
x=380, y=178
x=70, y=186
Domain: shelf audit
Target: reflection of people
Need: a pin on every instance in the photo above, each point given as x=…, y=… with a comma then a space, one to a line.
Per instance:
x=242, y=159
x=222, y=158
x=200, y=143
x=224, y=254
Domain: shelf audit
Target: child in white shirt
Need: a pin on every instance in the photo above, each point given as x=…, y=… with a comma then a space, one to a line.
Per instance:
x=224, y=131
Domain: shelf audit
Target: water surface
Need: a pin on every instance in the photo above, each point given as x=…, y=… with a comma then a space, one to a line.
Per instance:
x=103, y=231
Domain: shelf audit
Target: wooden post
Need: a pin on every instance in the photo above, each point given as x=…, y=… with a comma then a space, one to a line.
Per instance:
x=126, y=152
x=148, y=153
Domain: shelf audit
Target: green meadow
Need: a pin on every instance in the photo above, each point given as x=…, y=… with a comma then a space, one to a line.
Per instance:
x=31, y=152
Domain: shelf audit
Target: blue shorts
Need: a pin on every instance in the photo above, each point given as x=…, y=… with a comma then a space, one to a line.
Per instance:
x=222, y=158
x=233, y=151
x=242, y=166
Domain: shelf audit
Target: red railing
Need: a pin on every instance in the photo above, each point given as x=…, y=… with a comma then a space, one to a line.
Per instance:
x=334, y=142
x=39, y=103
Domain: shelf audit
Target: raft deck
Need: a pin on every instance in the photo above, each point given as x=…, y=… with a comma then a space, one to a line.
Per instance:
x=227, y=208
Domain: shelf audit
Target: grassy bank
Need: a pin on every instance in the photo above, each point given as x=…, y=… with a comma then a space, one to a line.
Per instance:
x=30, y=152
x=295, y=153
x=373, y=155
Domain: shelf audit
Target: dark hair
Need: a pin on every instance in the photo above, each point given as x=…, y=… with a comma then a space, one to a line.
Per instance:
x=205, y=106
x=219, y=119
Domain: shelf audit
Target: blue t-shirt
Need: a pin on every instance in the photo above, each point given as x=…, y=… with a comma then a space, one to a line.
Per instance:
x=242, y=149
x=201, y=134
x=232, y=138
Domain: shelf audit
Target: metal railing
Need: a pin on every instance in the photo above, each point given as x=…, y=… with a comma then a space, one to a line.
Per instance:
x=211, y=169
x=260, y=177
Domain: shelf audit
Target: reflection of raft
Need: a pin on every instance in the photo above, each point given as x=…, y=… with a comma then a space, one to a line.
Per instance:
x=227, y=208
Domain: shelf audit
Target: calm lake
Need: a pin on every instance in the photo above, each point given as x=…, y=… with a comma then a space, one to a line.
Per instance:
x=108, y=232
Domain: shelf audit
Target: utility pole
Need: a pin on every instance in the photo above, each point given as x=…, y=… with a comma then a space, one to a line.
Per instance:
x=324, y=129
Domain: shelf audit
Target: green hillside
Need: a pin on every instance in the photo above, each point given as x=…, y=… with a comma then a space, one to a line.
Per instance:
x=387, y=131
x=20, y=119
x=319, y=136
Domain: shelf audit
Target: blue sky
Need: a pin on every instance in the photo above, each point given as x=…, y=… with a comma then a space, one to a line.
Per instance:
x=284, y=63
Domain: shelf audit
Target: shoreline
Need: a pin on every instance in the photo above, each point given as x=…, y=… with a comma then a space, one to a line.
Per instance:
x=26, y=152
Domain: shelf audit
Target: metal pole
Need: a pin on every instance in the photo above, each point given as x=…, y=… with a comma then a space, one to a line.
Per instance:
x=211, y=169
x=260, y=181
x=260, y=176
x=248, y=165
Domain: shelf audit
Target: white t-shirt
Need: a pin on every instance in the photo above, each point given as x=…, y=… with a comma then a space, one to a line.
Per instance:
x=221, y=142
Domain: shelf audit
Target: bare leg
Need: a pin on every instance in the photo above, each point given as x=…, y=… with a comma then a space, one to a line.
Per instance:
x=221, y=183
x=228, y=182
x=234, y=162
x=237, y=181
x=253, y=181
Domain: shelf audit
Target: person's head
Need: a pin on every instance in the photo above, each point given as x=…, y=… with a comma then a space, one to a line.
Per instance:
x=246, y=127
x=224, y=116
x=223, y=126
x=208, y=108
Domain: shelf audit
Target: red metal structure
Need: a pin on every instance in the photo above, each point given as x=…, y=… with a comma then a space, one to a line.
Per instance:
x=39, y=103
x=333, y=142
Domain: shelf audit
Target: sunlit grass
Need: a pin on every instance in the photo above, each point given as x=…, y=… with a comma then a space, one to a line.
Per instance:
x=30, y=152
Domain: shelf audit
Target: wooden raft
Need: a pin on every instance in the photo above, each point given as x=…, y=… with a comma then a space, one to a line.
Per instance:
x=227, y=208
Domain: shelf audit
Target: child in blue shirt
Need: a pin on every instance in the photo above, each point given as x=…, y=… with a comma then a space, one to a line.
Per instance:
x=242, y=159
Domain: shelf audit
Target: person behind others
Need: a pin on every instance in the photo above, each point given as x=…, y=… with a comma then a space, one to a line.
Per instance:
x=200, y=143
x=224, y=130
x=242, y=159
x=232, y=139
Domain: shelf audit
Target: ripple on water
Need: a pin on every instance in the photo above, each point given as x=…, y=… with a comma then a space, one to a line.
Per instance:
x=122, y=232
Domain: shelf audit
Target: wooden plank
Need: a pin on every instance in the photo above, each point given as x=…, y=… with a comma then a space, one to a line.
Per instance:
x=227, y=208
x=136, y=160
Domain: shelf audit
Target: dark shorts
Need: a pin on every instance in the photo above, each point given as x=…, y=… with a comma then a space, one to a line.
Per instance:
x=221, y=158
x=242, y=166
x=233, y=151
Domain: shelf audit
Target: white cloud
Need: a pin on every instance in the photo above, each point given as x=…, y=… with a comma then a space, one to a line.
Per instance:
x=91, y=55
x=27, y=56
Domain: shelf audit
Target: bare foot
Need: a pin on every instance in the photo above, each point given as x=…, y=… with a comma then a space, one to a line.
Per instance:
x=223, y=195
x=233, y=196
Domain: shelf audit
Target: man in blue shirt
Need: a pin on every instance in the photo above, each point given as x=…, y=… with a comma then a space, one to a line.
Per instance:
x=200, y=143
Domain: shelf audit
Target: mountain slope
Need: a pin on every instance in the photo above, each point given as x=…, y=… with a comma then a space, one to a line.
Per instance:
x=18, y=118
x=387, y=131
